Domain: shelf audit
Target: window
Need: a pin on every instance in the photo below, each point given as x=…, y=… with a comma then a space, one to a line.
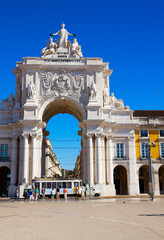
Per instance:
x=69, y=185
x=144, y=150
x=162, y=150
x=4, y=150
x=44, y=184
x=144, y=133
x=119, y=150
x=76, y=184
x=58, y=184
x=49, y=185
x=53, y=184
x=63, y=184
x=161, y=133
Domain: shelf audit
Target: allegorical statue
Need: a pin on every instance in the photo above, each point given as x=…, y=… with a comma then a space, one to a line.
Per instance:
x=50, y=49
x=76, y=48
x=8, y=103
x=63, y=33
x=31, y=90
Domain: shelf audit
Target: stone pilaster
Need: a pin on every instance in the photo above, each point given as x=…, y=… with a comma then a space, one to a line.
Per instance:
x=25, y=158
x=133, y=184
x=90, y=157
x=156, y=183
x=98, y=158
x=102, y=139
x=33, y=157
x=110, y=156
x=14, y=163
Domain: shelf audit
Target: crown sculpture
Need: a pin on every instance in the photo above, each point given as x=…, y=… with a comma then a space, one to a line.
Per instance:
x=63, y=47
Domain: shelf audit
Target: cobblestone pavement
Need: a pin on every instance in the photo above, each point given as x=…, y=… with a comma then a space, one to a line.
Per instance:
x=76, y=219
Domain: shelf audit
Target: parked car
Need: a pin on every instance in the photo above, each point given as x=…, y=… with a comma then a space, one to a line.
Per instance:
x=93, y=192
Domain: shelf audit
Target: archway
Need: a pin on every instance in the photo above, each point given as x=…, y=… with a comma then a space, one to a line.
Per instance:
x=120, y=180
x=5, y=177
x=144, y=179
x=161, y=179
x=59, y=109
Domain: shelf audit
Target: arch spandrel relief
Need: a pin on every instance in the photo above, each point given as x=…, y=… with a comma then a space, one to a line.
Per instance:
x=60, y=83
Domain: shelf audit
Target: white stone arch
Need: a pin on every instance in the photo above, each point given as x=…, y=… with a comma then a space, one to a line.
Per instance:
x=75, y=108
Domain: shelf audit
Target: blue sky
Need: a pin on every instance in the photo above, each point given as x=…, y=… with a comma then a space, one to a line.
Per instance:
x=129, y=34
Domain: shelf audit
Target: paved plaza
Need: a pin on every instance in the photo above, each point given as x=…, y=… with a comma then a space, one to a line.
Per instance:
x=124, y=218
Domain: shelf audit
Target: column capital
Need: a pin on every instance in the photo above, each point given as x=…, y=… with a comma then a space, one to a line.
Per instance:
x=98, y=135
x=89, y=135
x=109, y=137
x=131, y=138
x=33, y=135
x=14, y=137
x=25, y=135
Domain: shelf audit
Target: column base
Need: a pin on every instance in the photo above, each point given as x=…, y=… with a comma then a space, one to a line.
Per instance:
x=106, y=190
x=134, y=190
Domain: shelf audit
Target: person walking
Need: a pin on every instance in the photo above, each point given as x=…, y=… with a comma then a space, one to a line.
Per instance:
x=36, y=194
x=31, y=194
x=65, y=194
x=57, y=193
x=52, y=194
x=16, y=194
x=25, y=194
x=77, y=193
x=43, y=193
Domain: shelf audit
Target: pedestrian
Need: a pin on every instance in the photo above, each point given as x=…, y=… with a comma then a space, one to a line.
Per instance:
x=25, y=194
x=82, y=193
x=31, y=195
x=16, y=194
x=77, y=193
x=57, y=193
x=65, y=194
x=36, y=194
x=52, y=194
x=43, y=193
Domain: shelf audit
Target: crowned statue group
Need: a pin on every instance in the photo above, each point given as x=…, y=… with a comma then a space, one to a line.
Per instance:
x=62, y=45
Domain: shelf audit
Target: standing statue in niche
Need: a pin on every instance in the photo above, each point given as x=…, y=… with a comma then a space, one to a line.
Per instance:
x=93, y=91
x=63, y=40
x=31, y=90
x=106, y=95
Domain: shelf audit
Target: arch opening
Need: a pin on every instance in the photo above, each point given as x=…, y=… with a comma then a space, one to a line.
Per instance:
x=120, y=180
x=161, y=179
x=144, y=179
x=5, y=177
x=61, y=143
x=63, y=106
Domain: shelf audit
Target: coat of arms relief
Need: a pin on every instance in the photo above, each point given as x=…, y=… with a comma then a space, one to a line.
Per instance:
x=61, y=83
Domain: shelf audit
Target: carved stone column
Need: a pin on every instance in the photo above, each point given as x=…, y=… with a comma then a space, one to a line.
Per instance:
x=25, y=158
x=33, y=157
x=98, y=158
x=90, y=158
x=133, y=184
x=14, y=161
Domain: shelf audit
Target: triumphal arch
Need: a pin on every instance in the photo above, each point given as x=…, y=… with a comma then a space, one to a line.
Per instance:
x=63, y=81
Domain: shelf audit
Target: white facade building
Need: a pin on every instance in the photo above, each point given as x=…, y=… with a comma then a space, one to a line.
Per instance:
x=62, y=81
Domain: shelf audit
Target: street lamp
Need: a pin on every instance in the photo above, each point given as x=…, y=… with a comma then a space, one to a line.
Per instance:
x=151, y=190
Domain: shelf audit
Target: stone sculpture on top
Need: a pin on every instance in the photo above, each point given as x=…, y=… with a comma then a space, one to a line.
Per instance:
x=63, y=46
